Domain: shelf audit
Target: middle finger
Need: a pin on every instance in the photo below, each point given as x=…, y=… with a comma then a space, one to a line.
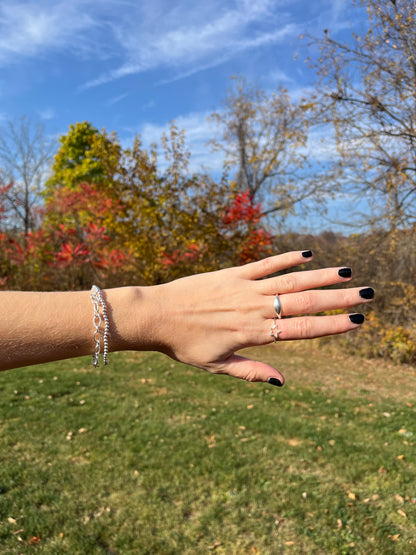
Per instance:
x=300, y=281
x=308, y=302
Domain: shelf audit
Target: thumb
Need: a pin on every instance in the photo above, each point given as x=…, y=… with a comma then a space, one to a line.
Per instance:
x=251, y=370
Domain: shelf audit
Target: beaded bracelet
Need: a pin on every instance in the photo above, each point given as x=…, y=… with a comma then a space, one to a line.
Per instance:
x=98, y=301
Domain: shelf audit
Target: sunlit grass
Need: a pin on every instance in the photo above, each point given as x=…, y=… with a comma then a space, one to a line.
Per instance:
x=150, y=456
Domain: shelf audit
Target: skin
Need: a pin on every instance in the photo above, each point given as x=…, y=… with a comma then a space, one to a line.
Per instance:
x=201, y=320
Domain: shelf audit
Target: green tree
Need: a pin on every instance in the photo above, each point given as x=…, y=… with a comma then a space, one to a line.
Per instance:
x=85, y=155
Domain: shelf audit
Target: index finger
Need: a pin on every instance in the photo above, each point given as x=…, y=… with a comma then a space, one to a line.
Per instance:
x=272, y=264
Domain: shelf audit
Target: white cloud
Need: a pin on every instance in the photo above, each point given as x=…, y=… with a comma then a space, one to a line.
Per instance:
x=30, y=29
x=116, y=99
x=47, y=113
x=193, y=36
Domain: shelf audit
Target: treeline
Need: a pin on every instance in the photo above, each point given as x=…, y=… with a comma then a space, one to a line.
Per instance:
x=93, y=210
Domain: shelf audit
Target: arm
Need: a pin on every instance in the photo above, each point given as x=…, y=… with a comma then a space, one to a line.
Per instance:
x=201, y=320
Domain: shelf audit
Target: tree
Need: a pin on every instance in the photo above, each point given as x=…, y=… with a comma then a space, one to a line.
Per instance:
x=85, y=155
x=25, y=155
x=368, y=92
x=264, y=141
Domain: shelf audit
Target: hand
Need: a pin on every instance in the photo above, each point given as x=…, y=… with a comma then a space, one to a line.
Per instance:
x=206, y=318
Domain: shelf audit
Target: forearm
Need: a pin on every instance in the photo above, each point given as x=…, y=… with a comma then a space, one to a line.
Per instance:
x=43, y=327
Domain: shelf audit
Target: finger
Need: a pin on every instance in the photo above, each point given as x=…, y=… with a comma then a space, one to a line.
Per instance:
x=268, y=266
x=309, y=327
x=300, y=281
x=308, y=302
x=250, y=370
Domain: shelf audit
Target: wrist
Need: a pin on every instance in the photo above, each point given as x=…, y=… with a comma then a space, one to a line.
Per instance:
x=133, y=320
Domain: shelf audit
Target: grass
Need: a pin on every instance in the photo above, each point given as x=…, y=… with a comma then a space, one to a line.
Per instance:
x=147, y=456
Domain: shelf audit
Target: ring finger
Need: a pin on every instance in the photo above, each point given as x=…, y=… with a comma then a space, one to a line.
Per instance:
x=309, y=327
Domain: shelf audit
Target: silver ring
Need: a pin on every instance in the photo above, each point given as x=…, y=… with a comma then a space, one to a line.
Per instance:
x=274, y=332
x=277, y=306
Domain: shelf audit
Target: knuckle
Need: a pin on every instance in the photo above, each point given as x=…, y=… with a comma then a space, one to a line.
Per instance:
x=303, y=328
x=304, y=303
x=287, y=284
x=267, y=266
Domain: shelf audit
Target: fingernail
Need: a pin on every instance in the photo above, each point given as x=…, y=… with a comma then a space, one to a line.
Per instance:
x=367, y=293
x=357, y=318
x=345, y=272
x=307, y=254
x=275, y=381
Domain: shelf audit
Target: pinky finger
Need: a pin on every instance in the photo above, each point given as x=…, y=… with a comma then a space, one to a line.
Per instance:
x=310, y=327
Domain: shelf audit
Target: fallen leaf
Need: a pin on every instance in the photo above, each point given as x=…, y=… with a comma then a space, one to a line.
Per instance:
x=11, y=520
x=352, y=496
x=402, y=513
x=400, y=457
x=399, y=498
x=33, y=540
x=250, y=407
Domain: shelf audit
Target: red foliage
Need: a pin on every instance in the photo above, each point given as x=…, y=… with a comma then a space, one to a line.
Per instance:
x=191, y=253
x=243, y=210
x=242, y=221
x=63, y=255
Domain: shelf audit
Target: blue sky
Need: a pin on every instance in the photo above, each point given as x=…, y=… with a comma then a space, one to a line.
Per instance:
x=133, y=66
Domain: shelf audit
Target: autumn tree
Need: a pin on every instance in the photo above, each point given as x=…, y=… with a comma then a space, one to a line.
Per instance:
x=368, y=92
x=168, y=219
x=25, y=155
x=264, y=140
x=85, y=155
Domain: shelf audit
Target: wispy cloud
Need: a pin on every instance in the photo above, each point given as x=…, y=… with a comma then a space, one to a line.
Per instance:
x=116, y=99
x=46, y=114
x=30, y=29
x=190, y=36
x=180, y=38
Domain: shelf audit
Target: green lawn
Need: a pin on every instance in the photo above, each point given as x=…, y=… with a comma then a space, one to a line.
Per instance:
x=150, y=456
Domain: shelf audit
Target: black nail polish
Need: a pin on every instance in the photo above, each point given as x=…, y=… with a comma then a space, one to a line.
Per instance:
x=367, y=293
x=275, y=381
x=357, y=318
x=345, y=272
x=307, y=254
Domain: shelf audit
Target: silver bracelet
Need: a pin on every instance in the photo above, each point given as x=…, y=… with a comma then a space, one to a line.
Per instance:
x=98, y=302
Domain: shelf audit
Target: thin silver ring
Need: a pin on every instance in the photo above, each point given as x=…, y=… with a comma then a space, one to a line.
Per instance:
x=277, y=306
x=274, y=331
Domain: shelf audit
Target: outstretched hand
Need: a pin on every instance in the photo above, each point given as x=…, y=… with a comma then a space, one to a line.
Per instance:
x=207, y=318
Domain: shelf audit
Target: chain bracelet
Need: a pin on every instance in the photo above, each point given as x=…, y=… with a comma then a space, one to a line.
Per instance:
x=97, y=301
